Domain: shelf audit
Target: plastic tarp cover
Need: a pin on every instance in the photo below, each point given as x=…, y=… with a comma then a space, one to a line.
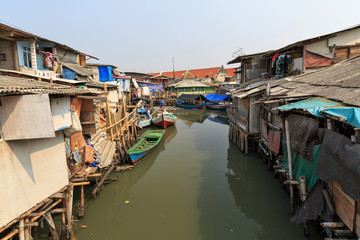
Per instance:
x=339, y=161
x=216, y=97
x=313, y=105
x=190, y=97
x=151, y=86
x=319, y=106
x=105, y=73
x=316, y=60
x=69, y=74
x=350, y=114
x=303, y=167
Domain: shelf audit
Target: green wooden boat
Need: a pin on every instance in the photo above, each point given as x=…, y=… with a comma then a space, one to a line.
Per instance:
x=146, y=144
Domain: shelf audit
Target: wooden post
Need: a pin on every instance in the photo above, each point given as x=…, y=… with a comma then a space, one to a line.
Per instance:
x=21, y=229
x=287, y=132
x=51, y=81
x=303, y=195
x=97, y=188
x=27, y=230
x=39, y=79
x=119, y=137
x=108, y=120
x=126, y=120
x=63, y=222
x=52, y=229
x=82, y=202
x=246, y=144
x=68, y=203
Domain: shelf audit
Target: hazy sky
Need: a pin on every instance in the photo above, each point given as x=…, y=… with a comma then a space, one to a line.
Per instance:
x=143, y=36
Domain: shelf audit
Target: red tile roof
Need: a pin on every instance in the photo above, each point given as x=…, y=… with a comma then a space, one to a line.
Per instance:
x=198, y=73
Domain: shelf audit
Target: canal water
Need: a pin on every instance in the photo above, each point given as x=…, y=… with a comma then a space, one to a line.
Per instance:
x=196, y=185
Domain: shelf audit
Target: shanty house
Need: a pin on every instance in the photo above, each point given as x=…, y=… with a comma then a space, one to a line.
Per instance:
x=190, y=87
x=35, y=56
x=34, y=116
x=300, y=57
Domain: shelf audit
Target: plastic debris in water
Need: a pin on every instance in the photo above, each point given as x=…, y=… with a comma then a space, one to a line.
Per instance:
x=127, y=201
x=84, y=226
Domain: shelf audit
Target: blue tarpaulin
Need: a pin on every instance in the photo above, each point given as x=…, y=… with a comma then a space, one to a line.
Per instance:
x=69, y=74
x=150, y=86
x=216, y=97
x=105, y=74
x=318, y=106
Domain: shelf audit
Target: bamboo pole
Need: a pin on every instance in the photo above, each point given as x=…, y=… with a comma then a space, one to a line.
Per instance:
x=68, y=215
x=303, y=195
x=27, y=230
x=119, y=136
x=126, y=119
x=108, y=120
x=81, y=211
x=246, y=144
x=52, y=227
x=97, y=188
x=21, y=231
x=287, y=132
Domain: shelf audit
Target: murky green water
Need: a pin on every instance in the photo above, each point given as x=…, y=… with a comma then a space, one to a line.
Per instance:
x=195, y=185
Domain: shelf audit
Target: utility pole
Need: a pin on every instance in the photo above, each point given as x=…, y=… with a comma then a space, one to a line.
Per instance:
x=173, y=67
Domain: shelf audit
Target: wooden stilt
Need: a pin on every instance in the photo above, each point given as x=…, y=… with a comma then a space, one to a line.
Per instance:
x=242, y=144
x=287, y=132
x=81, y=210
x=303, y=195
x=21, y=229
x=68, y=206
x=246, y=144
x=27, y=230
x=97, y=188
x=53, y=233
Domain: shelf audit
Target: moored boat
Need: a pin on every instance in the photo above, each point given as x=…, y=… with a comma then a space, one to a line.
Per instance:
x=146, y=144
x=184, y=104
x=217, y=101
x=191, y=101
x=164, y=119
x=144, y=117
x=217, y=106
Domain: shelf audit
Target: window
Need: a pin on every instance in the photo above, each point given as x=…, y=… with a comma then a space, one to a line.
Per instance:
x=27, y=56
x=2, y=57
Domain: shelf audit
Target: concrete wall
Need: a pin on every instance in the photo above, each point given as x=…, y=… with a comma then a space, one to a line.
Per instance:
x=7, y=48
x=321, y=48
x=30, y=171
x=350, y=37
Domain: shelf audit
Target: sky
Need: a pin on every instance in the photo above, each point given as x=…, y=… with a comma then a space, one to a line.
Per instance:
x=146, y=35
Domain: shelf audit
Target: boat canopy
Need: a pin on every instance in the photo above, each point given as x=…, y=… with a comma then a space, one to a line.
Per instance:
x=191, y=97
x=216, y=97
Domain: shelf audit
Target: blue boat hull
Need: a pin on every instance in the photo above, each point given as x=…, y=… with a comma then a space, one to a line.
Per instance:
x=138, y=156
x=191, y=106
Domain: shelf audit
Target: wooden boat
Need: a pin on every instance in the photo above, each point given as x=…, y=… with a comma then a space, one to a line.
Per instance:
x=191, y=105
x=164, y=119
x=217, y=106
x=146, y=144
x=144, y=117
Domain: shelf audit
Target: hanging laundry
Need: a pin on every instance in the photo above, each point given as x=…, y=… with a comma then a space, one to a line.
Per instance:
x=48, y=59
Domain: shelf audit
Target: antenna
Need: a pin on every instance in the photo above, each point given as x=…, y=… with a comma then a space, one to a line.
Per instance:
x=239, y=52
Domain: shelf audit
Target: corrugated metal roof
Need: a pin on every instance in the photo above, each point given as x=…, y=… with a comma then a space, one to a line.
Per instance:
x=189, y=83
x=78, y=69
x=340, y=82
x=22, y=34
x=17, y=85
